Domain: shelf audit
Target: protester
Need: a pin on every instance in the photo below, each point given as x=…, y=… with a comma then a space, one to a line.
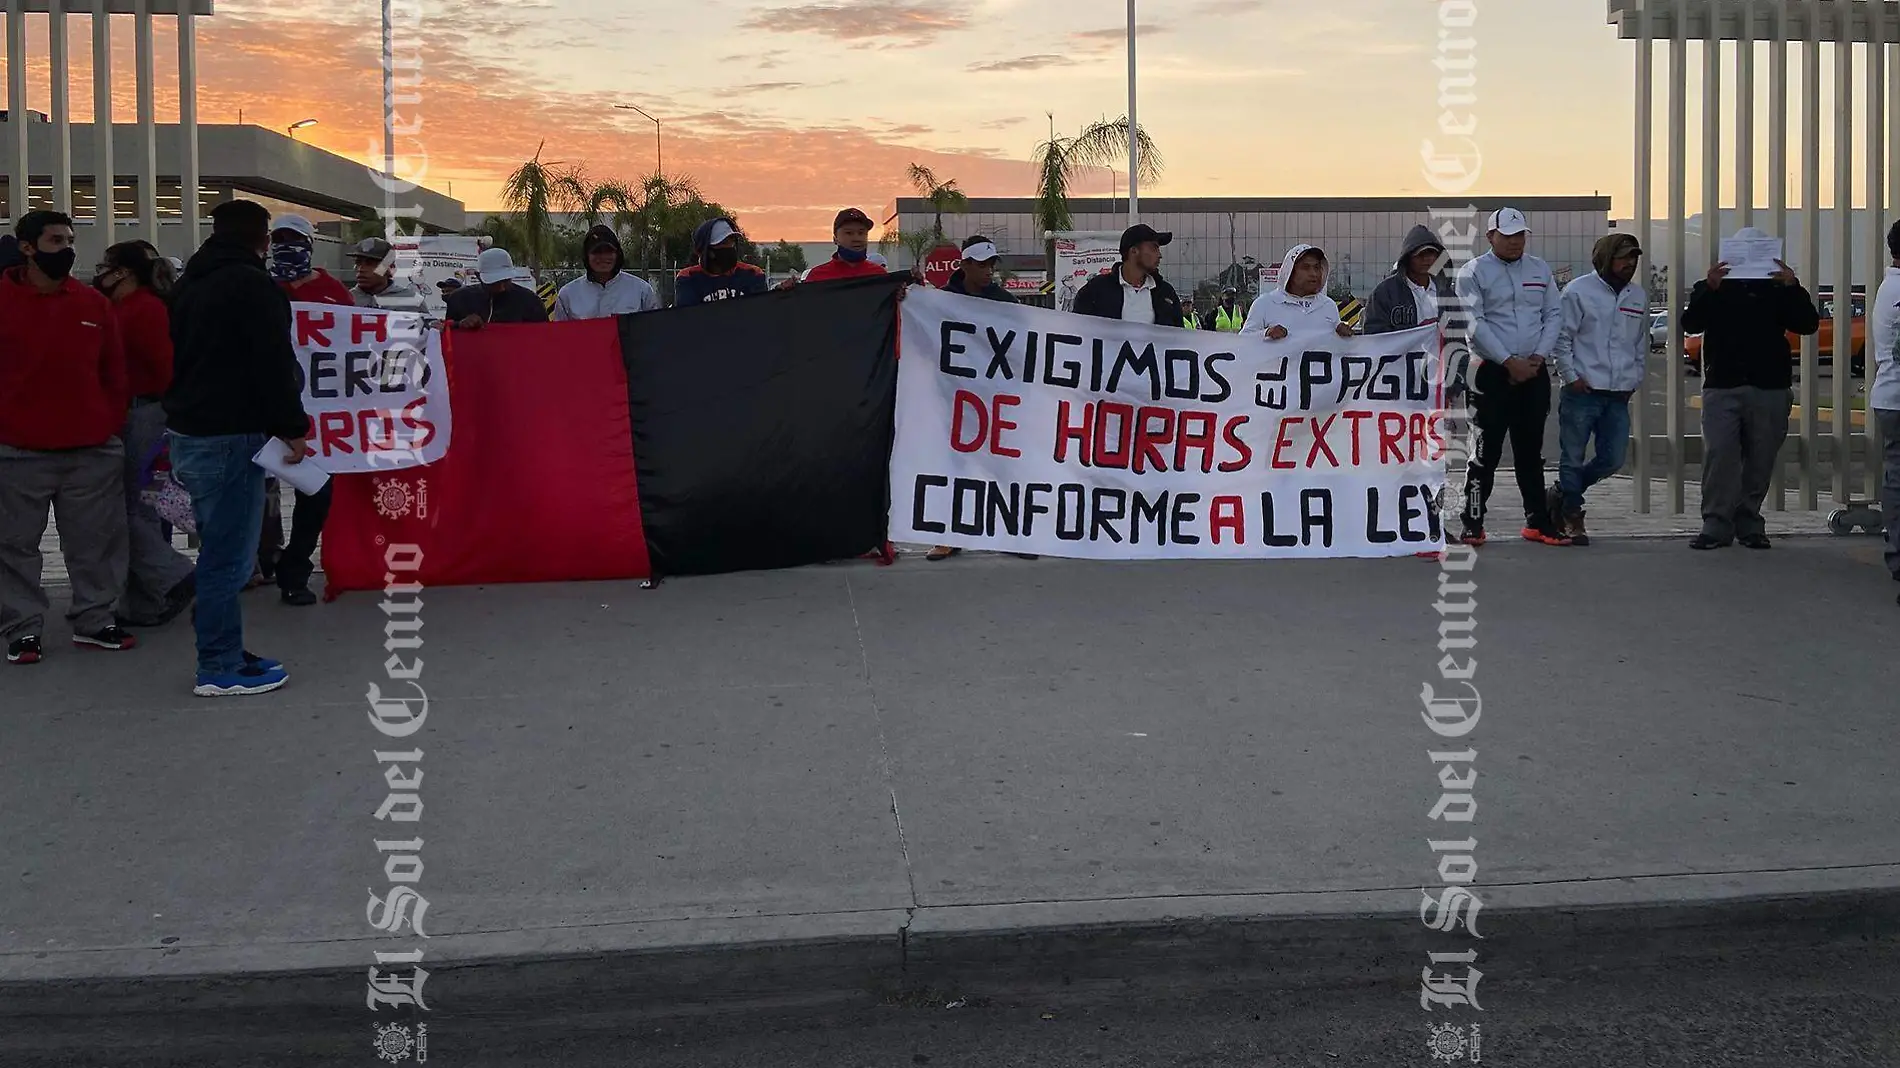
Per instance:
x=62, y=404
x=1511, y=300
x=1883, y=396
x=1747, y=378
x=1299, y=304
x=1190, y=319
x=376, y=283
x=1416, y=290
x=852, y=232
x=1136, y=292
x=606, y=289
x=1228, y=316
x=976, y=278
x=1601, y=355
x=716, y=272
x=501, y=298
x=9, y=252
x=159, y=581
x=292, y=250
x=235, y=386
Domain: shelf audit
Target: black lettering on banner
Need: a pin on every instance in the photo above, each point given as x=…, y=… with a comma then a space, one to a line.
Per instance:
x=1270, y=388
x=1374, y=533
x=1432, y=523
x=1320, y=516
x=1387, y=384
x=322, y=366
x=1142, y=364
x=1031, y=509
x=1418, y=376
x=1183, y=513
x=950, y=346
x=967, y=521
x=1107, y=507
x=1415, y=503
x=1000, y=347
x=1268, y=535
x=1008, y=510
x=1029, y=357
x=1067, y=510
x=356, y=373
x=1095, y=365
x=1191, y=389
x=1214, y=374
x=1071, y=368
x=1354, y=372
x=1147, y=511
x=917, y=508
x=1316, y=369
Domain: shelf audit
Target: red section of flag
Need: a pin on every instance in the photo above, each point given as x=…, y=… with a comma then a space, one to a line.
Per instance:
x=538, y=484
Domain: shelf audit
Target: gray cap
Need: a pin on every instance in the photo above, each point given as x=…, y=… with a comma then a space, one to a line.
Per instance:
x=371, y=248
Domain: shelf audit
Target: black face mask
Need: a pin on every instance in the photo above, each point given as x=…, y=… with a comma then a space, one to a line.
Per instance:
x=56, y=265
x=721, y=260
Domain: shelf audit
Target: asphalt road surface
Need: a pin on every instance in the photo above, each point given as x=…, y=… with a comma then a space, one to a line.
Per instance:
x=1835, y=1006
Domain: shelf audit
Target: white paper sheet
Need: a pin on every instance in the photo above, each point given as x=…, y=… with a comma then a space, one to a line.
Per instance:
x=1752, y=257
x=306, y=477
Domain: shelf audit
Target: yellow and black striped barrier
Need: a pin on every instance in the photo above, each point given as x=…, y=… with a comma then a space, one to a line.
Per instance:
x=1352, y=311
x=547, y=292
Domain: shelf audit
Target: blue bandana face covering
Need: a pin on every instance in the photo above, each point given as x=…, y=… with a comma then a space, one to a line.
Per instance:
x=289, y=262
x=852, y=255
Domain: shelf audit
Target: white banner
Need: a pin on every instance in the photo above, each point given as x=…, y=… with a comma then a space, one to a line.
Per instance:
x=1033, y=431
x=435, y=259
x=374, y=387
x=1080, y=257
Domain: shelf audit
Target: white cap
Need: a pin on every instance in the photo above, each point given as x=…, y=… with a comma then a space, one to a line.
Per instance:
x=495, y=265
x=294, y=223
x=878, y=259
x=721, y=229
x=981, y=252
x=1509, y=222
x=177, y=264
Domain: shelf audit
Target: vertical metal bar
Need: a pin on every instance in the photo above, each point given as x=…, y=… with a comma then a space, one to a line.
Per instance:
x=1778, y=183
x=17, y=111
x=1873, y=260
x=1134, y=139
x=104, y=204
x=1811, y=245
x=1745, y=114
x=1678, y=239
x=188, y=124
x=1843, y=346
x=1645, y=145
x=60, y=62
x=144, y=78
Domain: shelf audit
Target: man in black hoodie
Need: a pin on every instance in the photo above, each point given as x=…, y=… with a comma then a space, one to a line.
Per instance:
x=1135, y=292
x=1416, y=290
x=235, y=386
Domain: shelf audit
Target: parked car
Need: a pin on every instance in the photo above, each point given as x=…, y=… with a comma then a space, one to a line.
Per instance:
x=1857, y=339
x=1658, y=330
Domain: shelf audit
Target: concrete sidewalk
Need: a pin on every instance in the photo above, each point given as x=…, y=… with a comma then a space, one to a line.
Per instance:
x=873, y=757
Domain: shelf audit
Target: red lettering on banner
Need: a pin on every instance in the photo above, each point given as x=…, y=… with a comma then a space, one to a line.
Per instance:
x=333, y=433
x=1320, y=427
x=965, y=398
x=314, y=328
x=377, y=327
x=1196, y=432
x=1420, y=446
x=1243, y=452
x=1281, y=441
x=1355, y=419
x=1148, y=442
x=1438, y=439
x=384, y=422
x=1124, y=439
x=1065, y=432
x=1228, y=515
x=413, y=419
x=998, y=424
x=1391, y=435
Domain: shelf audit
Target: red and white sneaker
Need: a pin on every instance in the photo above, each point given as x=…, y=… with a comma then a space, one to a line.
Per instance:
x=1544, y=536
x=114, y=638
x=24, y=650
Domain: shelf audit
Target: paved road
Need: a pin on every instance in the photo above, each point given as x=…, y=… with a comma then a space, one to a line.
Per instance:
x=1832, y=1006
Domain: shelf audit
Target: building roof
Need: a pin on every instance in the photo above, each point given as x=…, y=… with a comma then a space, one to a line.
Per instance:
x=1259, y=205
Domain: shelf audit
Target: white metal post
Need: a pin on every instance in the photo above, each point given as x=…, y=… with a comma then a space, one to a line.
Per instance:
x=17, y=110
x=104, y=204
x=1134, y=138
x=188, y=125
x=1811, y=250
x=389, y=112
x=143, y=82
x=1874, y=256
x=1645, y=143
x=1778, y=185
x=60, y=62
x=1678, y=241
x=1843, y=346
x=1745, y=114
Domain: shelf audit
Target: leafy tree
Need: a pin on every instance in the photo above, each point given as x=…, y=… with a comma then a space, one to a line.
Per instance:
x=534, y=192
x=944, y=196
x=1059, y=161
x=787, y=255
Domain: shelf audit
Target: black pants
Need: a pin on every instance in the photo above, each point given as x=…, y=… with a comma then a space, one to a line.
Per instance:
x=1502, y=410
x=293, y=562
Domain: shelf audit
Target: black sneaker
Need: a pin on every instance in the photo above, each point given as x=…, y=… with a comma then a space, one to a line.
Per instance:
x=114, y=638
x=1705, y=542
x=24, y=650
x=298, y=598
x=1755, y=541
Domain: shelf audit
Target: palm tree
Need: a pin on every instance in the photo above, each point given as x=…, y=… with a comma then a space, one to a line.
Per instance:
x=943, y=196
x=1059, y=161
x=533, y=193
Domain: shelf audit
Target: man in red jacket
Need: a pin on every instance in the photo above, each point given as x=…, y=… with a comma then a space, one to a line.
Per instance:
x=852, y=231
x=62, y=402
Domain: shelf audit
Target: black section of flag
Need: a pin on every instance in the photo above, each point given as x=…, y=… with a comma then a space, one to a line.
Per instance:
x=762, y=426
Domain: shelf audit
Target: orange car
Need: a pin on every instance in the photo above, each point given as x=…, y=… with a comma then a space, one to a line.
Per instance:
x=1857, y=365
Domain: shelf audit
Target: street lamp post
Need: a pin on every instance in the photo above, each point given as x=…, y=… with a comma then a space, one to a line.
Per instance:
x=1134, y=141
x=659, y=161
x=298, y=125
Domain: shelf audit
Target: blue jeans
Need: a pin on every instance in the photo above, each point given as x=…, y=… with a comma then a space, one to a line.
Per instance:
x=227, y=500
x=1581, y=417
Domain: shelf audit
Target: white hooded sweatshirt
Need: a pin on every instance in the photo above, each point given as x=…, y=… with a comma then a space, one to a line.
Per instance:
x=1300, y=315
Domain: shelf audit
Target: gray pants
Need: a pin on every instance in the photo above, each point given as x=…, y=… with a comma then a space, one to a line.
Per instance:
x=155, y=568
x=86, y=489
x=1742, y=433
x=1889, y=422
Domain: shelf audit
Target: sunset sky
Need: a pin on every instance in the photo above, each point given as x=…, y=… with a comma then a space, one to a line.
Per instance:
x=785, y=111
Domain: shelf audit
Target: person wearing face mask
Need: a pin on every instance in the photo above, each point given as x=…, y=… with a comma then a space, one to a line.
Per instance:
x=1300, y=304
x=292, y=247
x=159, y=582
x=716, y=273
x=852, y=232
x=62, y=405
x=501, y=297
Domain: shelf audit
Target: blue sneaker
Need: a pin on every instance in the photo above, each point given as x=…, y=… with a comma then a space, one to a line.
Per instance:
x=253, y=660
x=250, y=679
